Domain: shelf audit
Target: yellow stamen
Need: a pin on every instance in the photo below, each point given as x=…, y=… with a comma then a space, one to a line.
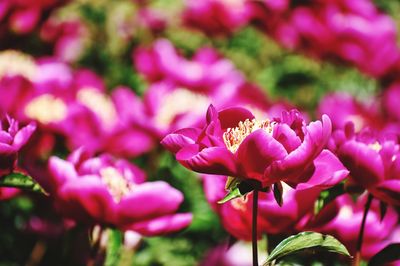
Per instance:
x=375, y=146
x=46, y=109
x=17, y=63
x=116, y=182
x=100, y=104
x=233, y=137
x=180, y=101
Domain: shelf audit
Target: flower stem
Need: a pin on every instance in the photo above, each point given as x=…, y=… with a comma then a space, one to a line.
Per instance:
x=254, y=228
x=357, y=258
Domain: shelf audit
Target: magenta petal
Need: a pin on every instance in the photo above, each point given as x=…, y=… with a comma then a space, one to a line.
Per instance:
x=151, y=199
x=6, y=149
x=60, y=172
x=388, y=191
x=23, y=135
x=213, y=160
x=231, y=117
x=257, y=152
x=180, y=138
x=91, y=194
x=364, y=163
x=163, y=225
x=291, y=167
x=328, y=171
x=286, y=136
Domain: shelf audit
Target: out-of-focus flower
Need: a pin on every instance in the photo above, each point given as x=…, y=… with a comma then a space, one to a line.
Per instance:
x=234, y=143
x=69, y=38
x=343, y=107
x=239, y=254
x=236, y=214
x=8, y=193
x=391, y=101
x=23, y=16
x=205, y=72
x=356, y=33
x=217, y=17
x=342, y=219
x=12, y=138
x=373, y=161
x=105, y=191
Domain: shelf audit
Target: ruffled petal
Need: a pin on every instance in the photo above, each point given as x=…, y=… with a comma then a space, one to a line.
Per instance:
x=147, y=201
x=180, y=138
x=163, y=225
x=23, y=135
x=256, y=153
x=328, y=171
x=213, y=160
x=291, y=167
x=286, y=136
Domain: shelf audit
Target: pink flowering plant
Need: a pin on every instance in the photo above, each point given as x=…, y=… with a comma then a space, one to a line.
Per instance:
x=212, y=132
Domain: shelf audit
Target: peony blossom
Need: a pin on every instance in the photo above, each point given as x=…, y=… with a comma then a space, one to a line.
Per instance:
x=102, y=190
x=234, y=143
x=342, y=218
x=12, y=138
x=373, y=161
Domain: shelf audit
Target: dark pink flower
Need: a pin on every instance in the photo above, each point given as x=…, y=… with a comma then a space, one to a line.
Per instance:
x=342, y=219
x=216, y=17
x=12, y=138
x=373, y=161
x=105, y=191
x=234, y=143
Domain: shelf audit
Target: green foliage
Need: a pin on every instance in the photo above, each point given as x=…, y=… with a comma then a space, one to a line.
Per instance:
x=21, y=181
x=305, y=240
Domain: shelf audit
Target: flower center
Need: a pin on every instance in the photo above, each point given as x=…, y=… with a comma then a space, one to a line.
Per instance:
x=98, y=103
x=116, y=183
x=375, y=146
x=46, y=109
x=180, y=101
x=233, y=137
x=16, y=63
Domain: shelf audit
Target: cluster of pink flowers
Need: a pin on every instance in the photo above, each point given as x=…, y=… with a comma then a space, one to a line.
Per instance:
x=356, y=33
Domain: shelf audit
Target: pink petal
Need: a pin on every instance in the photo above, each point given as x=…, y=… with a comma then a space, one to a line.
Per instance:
x=328, y=172
x=364, y=163
x=90, y=193
x=388, y=191
x=256, y=153
x=163, y=225
x=60, y=172
x=180, y=138
x=286, y=136
x=23, y=135
x=213, y=160
x=231, y=117
x=147, y=201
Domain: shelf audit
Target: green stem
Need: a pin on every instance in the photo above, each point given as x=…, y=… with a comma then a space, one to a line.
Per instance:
x=361, y=233
x=254, y=228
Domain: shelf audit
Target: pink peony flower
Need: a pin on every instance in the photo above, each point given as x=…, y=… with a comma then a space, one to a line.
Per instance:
x=12, y=138
x=233, y=143
x=342, y=219
x=373, y=161
x=105, y=191
x=236, y=214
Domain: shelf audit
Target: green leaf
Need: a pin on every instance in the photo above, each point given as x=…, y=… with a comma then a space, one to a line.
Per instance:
x=303, y=241
x=232, y=183
x=233, y=194
x=388, y=254
x=278, y=193
x=114, y=244
x=21, y=181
